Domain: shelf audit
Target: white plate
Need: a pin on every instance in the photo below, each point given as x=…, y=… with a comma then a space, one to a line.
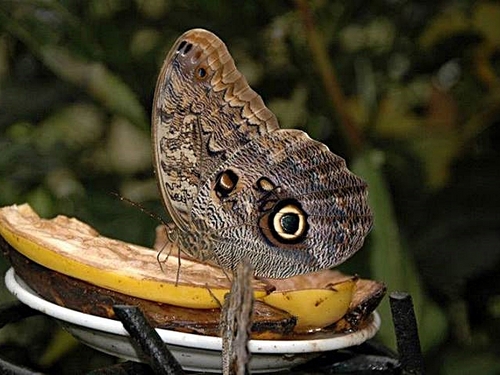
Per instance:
x=194, y=352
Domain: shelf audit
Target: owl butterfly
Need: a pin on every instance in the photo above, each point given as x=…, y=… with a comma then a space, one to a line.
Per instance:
x=235, y=184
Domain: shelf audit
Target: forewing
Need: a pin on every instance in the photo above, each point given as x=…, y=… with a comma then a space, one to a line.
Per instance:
x=203, y=111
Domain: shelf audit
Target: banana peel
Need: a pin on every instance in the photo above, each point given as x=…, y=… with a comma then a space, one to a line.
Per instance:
x=66, y=291
x=72, y=248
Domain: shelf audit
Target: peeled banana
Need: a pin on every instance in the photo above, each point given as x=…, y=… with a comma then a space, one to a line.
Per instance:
x=73, y=248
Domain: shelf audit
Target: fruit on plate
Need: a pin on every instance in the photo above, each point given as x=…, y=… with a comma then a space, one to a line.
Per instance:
x=66, y=254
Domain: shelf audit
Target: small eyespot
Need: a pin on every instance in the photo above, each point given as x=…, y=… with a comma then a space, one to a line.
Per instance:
x=201, y=73
x=184, y=47
x=181, y=45
x=225, y=183
x=265, y=185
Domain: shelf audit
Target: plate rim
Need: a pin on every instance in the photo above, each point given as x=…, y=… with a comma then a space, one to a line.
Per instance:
x=26, y=295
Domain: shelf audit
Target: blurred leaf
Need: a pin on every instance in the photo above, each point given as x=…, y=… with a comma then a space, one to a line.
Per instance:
x=4, y=55
x=92, y=76
x=367, y=87
x=380, y=34
x=485, y=19
x=395, y=118
x=64, y=184
x=445, y=24
x=59, y=345
x=76, y=126
x=98, y=81
x=437, y=151
x=144, y=41
x=458, y=240
x=155, y=9
x=292, y=113
x=106, y=9
x=442, y=110
x=470, y=362
x=127, y=150
x=41, y=201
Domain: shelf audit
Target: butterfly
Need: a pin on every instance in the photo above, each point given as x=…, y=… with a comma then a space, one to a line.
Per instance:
x=235, y=184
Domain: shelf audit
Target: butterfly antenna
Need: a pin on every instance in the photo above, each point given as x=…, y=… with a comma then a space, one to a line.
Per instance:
x=171, y=235
x=137, y=205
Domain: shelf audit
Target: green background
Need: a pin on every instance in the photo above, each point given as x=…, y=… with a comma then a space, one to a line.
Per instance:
x=407, y=91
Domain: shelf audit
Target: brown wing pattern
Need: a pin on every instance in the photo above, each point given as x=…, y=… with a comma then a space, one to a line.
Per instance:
x=305, y=177
x=203, y=111
x=238, y=186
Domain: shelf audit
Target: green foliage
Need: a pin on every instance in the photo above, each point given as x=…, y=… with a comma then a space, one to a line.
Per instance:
x=408, y=92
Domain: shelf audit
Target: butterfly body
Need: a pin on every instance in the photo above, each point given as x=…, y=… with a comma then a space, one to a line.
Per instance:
x=235, y=184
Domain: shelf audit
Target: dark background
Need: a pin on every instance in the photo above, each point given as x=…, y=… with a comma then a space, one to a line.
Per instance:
x=407, y=91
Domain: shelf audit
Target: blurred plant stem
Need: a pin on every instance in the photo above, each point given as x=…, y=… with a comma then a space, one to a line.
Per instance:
x=390, y=260
x=353, y=136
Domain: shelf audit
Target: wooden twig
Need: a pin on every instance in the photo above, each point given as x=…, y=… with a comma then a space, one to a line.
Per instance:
x=236, y=322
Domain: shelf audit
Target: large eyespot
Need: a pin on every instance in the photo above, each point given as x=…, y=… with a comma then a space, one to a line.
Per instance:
x=289, y=222
x=286, y=223
x=225, y=183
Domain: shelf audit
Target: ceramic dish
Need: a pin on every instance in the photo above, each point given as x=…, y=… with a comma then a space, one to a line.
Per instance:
x=194, y=352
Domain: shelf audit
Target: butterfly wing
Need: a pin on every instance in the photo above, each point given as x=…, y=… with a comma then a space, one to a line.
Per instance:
x=287, y=203
x=203, y=111
x=236, y=184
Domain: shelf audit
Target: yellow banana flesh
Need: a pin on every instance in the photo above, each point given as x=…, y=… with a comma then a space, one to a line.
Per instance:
x=75, y=249
x=314, y=308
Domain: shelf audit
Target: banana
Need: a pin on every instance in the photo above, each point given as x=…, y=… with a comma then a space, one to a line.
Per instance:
x=314, y=308
x=73, y=248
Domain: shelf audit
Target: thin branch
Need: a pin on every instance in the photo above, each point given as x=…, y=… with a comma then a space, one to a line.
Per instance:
x=351, y=131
